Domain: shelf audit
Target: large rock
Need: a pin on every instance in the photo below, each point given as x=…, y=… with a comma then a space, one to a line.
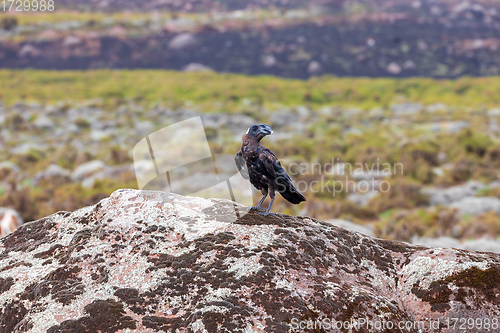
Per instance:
x=53, y=173
x=197, y=67
x=314, y=68
x=362, y=199
x=44, y=122
x=477, y=205
x=29, y=51
x=111, y=172
x=87, y=169
x=9, y=166
x=184, y=264
x=183, y=41
x=71, y=41
x=448, y=196
x=406, y=109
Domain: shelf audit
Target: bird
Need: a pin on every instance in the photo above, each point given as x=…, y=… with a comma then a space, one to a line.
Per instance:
x=264, y=170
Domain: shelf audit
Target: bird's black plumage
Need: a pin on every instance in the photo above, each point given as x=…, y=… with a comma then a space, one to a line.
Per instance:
x=263, y=168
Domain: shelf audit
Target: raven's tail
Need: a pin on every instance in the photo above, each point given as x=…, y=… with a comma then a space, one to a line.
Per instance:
x=289, y=192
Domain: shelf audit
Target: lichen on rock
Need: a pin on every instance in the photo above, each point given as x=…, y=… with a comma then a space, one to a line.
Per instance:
x=181, y=264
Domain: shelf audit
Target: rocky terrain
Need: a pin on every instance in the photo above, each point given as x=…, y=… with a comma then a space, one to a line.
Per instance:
x=158, y=262
x=346, y=38
x=444, y=158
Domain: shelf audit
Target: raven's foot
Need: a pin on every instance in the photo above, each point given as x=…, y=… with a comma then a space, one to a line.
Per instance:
x=258, y=207
x=265, y=213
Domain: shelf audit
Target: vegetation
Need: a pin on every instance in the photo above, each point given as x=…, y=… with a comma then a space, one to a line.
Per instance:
x=227, y=92
x=441, y=133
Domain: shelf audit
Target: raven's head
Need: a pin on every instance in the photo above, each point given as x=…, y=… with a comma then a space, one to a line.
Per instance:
x=259, y=131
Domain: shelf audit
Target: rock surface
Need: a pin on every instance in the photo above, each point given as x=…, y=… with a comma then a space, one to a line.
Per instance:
x=453, y=194
x=87, y=169
x=184, y=265
x=475, y=206
x=10, y=220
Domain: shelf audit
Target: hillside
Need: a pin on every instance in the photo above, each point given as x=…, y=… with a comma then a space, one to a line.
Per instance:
x=444, y=39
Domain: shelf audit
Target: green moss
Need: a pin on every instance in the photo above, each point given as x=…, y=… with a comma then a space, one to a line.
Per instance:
x=484, y=225
x=403, y=193
x=436, y=222
x=472, y=286
x=475, y=143
x=474, y=277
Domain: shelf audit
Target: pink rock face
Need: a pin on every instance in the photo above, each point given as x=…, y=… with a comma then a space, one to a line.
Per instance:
x=131, y=263
x=9, y=221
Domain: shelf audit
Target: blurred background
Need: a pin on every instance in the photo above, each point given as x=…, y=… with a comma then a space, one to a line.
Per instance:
x=404, y=92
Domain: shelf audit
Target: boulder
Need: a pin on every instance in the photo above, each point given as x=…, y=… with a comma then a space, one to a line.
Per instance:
x=100, y=135
x=151, y=261
x=197, y=67
x=314, y=68
x=9, y=166
x=25, y=148
x=269, y=61
x=284, y=117
x=86, y=169
x=143, y=128
x=44, y=122
x=477, y=205
x=110, y=172
x=29, y=50
x=369, y=175
x=70, y=41
x=362, y=199
x=394, y=68
x=53, y=173
x=406, y=109
x=457, y=126
x=447, y=196
x=237, y=123
x=183, y=41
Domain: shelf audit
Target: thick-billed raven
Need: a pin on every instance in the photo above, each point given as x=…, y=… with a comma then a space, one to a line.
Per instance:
x=264, y=169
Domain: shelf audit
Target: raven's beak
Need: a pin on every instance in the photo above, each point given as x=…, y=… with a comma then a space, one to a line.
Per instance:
x=265, y=129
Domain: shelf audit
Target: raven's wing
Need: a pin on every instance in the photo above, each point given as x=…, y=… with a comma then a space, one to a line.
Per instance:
x=267, y=161
x=274, y=168
x=241, y=165
x=279, y=175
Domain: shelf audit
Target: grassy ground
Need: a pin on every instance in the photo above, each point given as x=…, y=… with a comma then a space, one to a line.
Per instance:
x=224, y=92
x=124, y=17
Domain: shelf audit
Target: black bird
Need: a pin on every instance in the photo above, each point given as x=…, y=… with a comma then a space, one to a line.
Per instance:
x=264, y=169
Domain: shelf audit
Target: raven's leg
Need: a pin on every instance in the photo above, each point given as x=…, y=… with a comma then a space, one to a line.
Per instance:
x=258, y=207
x=267, y=212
